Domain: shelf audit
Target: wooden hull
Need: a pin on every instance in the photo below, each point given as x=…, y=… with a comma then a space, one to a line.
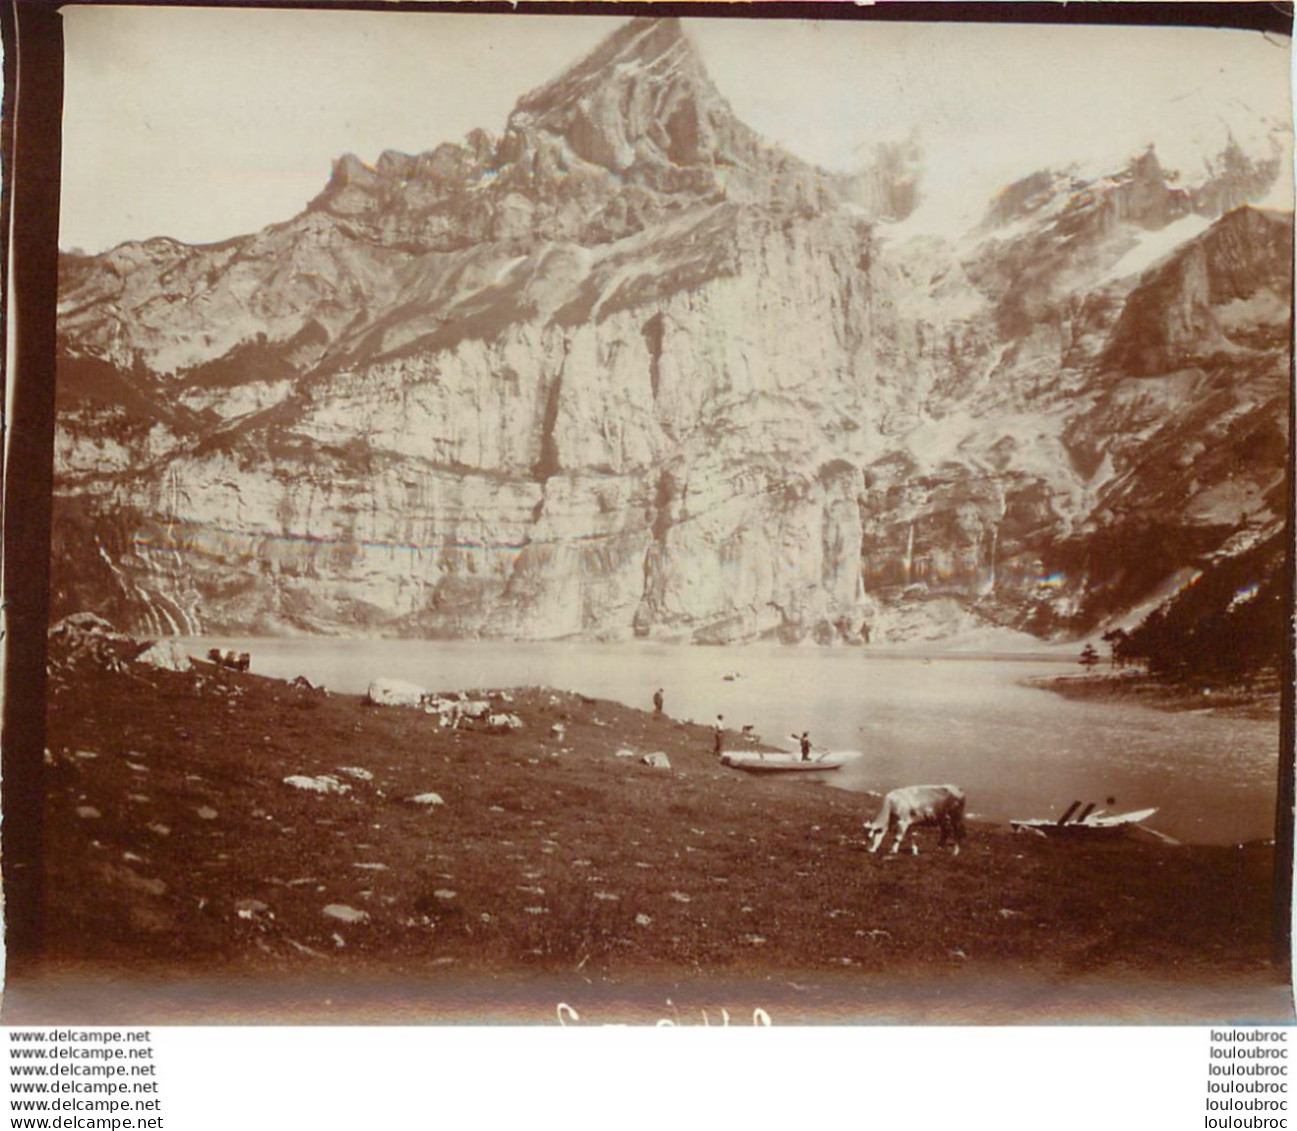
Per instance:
x=1094, y=826
x=781, y=763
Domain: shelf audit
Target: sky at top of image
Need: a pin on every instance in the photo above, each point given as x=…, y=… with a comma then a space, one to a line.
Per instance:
x=201, y=124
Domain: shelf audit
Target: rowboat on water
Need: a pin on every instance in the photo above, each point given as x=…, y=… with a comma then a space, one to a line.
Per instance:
x=757, y=763
x=1091, y=822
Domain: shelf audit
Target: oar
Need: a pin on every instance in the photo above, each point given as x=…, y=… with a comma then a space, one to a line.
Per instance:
x=1160, y=836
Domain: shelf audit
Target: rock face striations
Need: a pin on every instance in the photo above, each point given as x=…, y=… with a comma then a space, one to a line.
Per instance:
x=628, y=369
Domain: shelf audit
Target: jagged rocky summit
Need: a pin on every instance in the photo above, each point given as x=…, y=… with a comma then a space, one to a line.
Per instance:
x=628, y=369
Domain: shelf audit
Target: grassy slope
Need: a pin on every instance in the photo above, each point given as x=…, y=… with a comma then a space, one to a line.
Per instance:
x=556, y=859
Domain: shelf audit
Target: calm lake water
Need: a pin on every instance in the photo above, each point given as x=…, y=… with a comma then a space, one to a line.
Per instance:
x=1017, y=751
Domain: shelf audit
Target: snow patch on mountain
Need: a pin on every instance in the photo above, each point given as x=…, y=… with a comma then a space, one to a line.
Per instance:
x=1150, y=246
x=632, y=370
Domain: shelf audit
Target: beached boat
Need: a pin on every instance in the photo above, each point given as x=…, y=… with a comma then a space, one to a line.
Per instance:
x=1091, y=822
x=787, y=763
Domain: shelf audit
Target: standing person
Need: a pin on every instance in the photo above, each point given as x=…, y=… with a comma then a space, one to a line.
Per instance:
x=805, y=743
x=658, y=700
x=719, y=746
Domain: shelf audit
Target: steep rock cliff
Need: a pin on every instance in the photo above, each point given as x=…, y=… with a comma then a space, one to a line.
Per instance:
x=627, y=369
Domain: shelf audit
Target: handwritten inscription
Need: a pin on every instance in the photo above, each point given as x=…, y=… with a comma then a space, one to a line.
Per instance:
x=760, y=1018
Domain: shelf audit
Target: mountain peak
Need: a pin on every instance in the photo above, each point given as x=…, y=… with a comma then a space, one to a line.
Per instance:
x=641, y=100
x=633, y=131
x=641, y=45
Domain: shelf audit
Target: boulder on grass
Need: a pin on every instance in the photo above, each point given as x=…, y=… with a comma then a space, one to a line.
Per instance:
x=167, y=655
x=395, y=693
x=324, y=783
x=427, y=799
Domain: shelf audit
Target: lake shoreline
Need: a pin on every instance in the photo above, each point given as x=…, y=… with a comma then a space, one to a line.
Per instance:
x=1257, y=698
x=1018, y=750
x=463, y=860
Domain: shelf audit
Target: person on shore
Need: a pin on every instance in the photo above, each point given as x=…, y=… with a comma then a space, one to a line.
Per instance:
x=658, y=701
x=719, y=747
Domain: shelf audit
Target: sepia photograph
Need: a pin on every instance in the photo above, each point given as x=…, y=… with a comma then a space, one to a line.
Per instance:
x=633, y=517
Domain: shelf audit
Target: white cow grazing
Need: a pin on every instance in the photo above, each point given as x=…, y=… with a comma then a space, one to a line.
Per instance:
x=941, y=805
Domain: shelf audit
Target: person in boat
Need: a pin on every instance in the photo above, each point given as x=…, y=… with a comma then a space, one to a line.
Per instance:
x=658, y=701
x=805, y=743
x=718, y=747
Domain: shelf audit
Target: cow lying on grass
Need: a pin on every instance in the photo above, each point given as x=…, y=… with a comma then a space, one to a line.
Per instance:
x=941, y=805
